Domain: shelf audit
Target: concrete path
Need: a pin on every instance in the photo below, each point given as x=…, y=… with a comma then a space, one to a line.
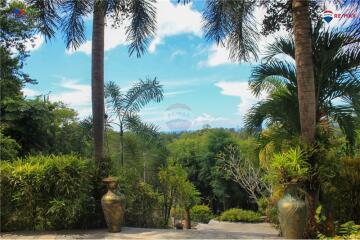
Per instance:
x=213, y=230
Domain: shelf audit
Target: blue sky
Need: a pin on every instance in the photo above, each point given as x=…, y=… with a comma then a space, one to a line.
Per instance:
x=193, y=71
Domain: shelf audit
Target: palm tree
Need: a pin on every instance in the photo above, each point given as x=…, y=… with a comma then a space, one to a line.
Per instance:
x=337, y=85
x=68, y=16
x=125, y=108
x=304, y=69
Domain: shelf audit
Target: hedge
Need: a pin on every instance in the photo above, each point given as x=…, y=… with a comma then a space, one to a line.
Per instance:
x=47, y=193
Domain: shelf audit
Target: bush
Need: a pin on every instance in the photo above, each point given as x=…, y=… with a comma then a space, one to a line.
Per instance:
x=341, y=196
x=177, y=212
x=45, y=193
x=240, y=215
x=143, y=203
x=9, y=147
x=262, y=204
x=201, y=213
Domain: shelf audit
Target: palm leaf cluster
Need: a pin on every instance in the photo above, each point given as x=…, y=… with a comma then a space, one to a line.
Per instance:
x=139, y=17
x=123, y=108
x=232, y=24
x=336, y=58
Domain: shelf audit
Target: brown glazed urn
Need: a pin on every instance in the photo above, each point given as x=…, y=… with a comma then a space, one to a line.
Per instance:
x=113, y=206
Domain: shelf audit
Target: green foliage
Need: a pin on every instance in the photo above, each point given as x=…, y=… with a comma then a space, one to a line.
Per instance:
x=177, y=213
x=9, y=147
x=240, y=215
x=201, y=213
x=46, y=192
x=197, y=152
x=336, y=71
x=143, y=202
x=342, y=193
x=290, y=166
x=348, y=228
x=43, y=127
x=262, y=205
x=123, y=109
x=176, y=189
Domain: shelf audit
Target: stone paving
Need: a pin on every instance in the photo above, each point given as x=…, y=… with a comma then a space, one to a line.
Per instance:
x=213, y=230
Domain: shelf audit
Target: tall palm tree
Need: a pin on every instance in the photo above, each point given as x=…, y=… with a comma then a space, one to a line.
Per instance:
x=337, y=84
x=68, y=16
x=125, y=108
x=336, y=73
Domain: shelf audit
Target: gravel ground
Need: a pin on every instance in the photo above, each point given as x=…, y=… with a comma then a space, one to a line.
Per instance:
x=213, y=230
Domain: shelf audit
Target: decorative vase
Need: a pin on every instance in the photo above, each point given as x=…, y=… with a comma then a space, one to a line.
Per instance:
x=292, y=213
x=113, y=206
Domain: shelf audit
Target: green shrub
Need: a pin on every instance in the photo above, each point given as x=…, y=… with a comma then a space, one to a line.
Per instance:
x=46, y=192
x=201, y=213
x=341, y=195
x=262, y=205
x=289, y=166
x=143, y=203
x=177, y=213
x=9, y=148
x=240, y=215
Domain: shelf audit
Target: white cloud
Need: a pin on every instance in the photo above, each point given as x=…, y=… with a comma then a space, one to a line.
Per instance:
x=172, y=19
x=207, y=118
x=217, y=55
x=241, y=90
x=173, y=93
x=177, y=53
x=175, y=19
x=76, y=95
x=28, y=92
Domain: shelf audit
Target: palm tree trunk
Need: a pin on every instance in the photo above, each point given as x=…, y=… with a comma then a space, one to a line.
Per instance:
x=304, y=69
x=97, y=80
x=187, y=219
x=306, y=94
x=122, y=144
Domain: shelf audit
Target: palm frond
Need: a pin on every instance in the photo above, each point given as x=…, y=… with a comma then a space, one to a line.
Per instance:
x=114, y=98
x=46, y=17
x=72, y=22
x=232, y=23
x=148, y=131
x=272, y=75
x=345, y=118
x=142, y=93
x=281, y=46
x=280, y=107
x=142, y=25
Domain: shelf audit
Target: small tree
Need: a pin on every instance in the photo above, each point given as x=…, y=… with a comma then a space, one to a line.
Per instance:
x=177, y=190
x=125, y=108
x=244, y=172
x=188, y=197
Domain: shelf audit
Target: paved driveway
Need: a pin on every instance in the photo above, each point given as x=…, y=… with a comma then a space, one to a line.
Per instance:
x=213, y=230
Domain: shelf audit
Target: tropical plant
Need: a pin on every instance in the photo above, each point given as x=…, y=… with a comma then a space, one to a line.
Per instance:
x=68, y=16
x=240, y=215
x=125, y=108
x=201, y=213
x=47, y=193
x=289, y=167
x=336, y=78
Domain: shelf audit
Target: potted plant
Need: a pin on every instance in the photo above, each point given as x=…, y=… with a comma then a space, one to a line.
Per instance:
x=291, y=170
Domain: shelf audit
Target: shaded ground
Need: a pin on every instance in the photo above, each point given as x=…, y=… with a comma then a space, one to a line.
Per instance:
x=213, y=230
